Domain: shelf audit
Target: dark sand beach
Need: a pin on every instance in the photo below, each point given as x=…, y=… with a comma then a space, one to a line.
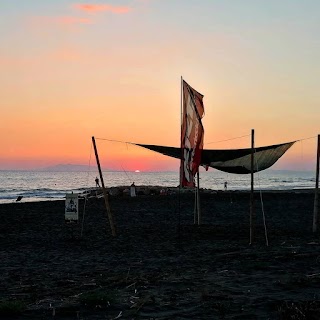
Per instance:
x=160, y=265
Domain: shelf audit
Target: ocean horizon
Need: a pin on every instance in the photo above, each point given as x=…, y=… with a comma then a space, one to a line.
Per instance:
x=38, y=185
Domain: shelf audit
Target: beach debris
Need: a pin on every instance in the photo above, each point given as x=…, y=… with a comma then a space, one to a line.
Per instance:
x=299, y=310
x=118, y=316
x=163, y=192
x=130, y=285
x=19, y=198
x=140, y=303
x=313, y=275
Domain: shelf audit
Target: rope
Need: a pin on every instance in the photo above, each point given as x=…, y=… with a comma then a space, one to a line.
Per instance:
x=301, y=151
x=85, y=198
x=247, y=135
x=307, y=138
x=119, y=141
x=262, y=206
x=125, y=172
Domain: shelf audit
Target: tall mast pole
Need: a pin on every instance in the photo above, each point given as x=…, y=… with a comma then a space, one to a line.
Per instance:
x=181, y=121
x=316, y=194
x=181, y=157
x=252, y=218
x=113, y=230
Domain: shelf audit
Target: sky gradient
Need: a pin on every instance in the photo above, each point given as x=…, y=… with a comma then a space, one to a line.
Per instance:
x=111, y=69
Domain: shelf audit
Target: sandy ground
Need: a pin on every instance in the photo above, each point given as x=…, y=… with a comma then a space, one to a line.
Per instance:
x=161, y=265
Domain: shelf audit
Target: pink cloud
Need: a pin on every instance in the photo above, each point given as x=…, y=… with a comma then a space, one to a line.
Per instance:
x=102, y=7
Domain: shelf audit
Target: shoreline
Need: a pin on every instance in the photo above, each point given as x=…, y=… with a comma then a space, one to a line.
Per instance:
x=123, y=191
x=160, y=265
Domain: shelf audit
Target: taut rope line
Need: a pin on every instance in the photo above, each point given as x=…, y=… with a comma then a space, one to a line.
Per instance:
x=85, y=198
x=262, y=205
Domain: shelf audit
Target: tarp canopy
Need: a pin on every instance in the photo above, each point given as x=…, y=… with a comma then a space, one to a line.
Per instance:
x=232, y=160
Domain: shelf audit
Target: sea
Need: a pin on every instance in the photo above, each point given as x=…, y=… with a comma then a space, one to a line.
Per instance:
x=43, y=186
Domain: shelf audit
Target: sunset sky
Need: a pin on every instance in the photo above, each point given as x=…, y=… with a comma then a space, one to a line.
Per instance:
x=111, y=69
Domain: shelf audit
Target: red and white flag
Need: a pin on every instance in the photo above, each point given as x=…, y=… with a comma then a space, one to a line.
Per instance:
x=192, y=133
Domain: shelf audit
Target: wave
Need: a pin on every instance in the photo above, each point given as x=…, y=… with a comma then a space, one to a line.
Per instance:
x=35, y=194
x=50, y=186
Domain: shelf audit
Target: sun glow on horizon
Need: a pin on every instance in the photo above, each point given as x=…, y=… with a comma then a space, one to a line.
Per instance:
x=71, y=70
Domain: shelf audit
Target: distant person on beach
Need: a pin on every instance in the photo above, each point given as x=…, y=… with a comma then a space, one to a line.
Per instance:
x=97, y=182
x=225, y=186
x=133, y=190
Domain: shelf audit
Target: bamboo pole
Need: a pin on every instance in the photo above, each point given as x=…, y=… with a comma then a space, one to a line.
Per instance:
x=252, y=217
x=113, y=230
x=316, y=193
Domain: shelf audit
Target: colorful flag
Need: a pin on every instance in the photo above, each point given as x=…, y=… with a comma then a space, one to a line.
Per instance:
x=192, y=133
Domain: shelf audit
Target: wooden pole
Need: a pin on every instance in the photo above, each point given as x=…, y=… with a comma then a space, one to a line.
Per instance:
x=181, y=120
x=181, y=158
x=113, y=230
x=181, y=155
x=316, y=194
x=252, y=218
x=198, y=198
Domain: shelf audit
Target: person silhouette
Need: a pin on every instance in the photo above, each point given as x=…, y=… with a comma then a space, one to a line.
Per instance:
x=225, y=186
x=97, y=182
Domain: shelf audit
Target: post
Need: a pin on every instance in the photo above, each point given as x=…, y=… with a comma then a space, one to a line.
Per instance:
x=252, y=217
x=316, y=192
x=198, y=198
x=181, y=121
x=104, y=190
x=181, y=155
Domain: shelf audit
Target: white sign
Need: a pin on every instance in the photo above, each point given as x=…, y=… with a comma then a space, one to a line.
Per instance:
x=71, y=208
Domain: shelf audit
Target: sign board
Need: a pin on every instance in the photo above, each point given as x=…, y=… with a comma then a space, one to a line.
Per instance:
x=71, y=208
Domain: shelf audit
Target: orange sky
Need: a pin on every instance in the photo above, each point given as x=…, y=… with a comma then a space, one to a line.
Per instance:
x=70, y=71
